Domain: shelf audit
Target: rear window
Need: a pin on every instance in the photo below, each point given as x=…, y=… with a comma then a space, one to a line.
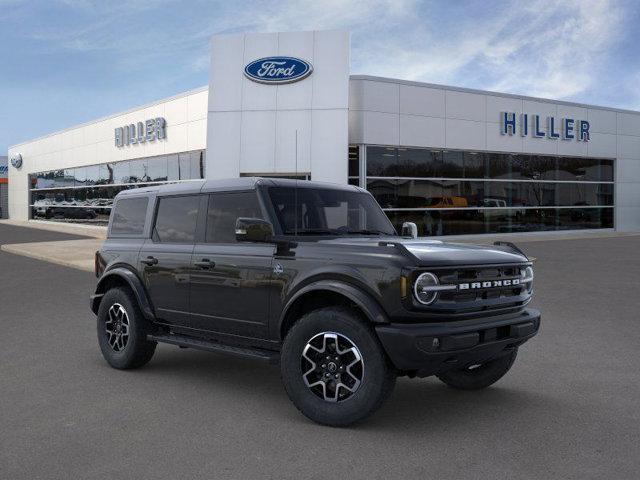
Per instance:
x=176, y=220
x=129, y=215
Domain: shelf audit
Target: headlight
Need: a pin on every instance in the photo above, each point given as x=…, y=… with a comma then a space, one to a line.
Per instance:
x=425, y=288
x=526, y=275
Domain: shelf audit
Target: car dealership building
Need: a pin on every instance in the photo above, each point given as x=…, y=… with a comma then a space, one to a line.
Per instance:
x=452, y=160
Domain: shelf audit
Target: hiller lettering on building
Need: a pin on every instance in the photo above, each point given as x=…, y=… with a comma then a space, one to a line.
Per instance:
x=147, y=131
x=550, y=127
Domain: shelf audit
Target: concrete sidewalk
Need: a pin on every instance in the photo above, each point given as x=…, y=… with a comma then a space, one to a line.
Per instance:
x=68, y=228
x=77, y=254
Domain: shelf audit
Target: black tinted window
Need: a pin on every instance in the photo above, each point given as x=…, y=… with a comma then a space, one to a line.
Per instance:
x=176, y=220
x=129, y=215
x=224, y=210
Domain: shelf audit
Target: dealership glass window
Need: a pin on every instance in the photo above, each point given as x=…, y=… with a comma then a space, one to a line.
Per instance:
x=157, y=169
x=85, y=194
x=121, y=172
x=449, y=192
x=354, y=165
x=92, y=175
x=354, y=161
x=138, y=171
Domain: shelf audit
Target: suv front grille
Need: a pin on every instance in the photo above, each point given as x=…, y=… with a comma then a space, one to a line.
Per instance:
x=471, y=300
x=473, y=275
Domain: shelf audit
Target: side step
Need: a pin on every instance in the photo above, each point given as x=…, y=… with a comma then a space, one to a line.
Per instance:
x=212, y=346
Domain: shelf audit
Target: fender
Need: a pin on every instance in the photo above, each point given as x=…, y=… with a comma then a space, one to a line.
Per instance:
x=369, y=306
x=136, y=286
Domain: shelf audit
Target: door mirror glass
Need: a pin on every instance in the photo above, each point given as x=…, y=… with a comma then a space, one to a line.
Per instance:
x=253, y=230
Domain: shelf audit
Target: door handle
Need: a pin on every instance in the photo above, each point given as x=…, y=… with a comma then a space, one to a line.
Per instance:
x=149, y=261
x=205, y=263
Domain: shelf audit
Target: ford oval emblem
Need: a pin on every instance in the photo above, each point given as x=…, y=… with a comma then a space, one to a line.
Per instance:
x=16, y=160
x=278, y=70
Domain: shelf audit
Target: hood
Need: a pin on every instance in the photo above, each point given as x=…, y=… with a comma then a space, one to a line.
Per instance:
x=439, y=253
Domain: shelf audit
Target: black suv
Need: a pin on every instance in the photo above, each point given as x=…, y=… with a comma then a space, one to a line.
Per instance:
x=314, y=277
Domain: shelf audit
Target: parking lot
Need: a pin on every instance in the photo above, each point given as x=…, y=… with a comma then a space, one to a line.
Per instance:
x=568, y=409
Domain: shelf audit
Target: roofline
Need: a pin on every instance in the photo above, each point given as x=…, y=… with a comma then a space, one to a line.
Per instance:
x=113, y=115
x=488, y=92
x=351, y=77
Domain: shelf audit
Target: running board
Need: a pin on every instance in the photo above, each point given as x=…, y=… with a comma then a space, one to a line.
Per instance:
x=211, y=346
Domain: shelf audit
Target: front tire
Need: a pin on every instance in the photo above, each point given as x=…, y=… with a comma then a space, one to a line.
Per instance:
x=334, y=369
x=122, y=331
x=481, y=376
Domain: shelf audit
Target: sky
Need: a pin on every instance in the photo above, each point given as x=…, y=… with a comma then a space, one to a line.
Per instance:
x=65, y=62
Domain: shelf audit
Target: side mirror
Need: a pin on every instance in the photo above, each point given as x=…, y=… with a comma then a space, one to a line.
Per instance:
x=253, y=230
x=409, y=229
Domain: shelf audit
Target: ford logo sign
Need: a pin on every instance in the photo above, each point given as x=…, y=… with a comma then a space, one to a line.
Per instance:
x=278, y=70
x=16, y=160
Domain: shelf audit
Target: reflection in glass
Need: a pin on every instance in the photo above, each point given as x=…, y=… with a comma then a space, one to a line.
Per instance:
x=382, y=162
x=138, y=171
x=92, y=175
x=354, y=161
x=157, y=169
x=197, y=164
x=85, y=194
x=463, y=222
x=173, y=167
x=80, y=176
x=121, y=172
x=413, y=162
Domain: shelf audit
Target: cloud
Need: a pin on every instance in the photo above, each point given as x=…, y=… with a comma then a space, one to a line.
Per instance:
x=539, y=48
x=557, y=50
x=545, y=49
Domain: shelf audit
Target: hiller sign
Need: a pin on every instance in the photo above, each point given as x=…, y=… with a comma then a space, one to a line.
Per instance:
x=147, y=131
x=566, y=128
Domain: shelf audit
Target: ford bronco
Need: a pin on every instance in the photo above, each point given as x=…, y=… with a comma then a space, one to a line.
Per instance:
x=310, y=276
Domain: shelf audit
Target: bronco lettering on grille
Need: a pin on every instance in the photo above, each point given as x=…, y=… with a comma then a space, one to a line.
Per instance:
x=510, y=282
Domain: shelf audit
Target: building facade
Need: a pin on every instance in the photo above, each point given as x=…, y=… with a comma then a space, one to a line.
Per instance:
x=452, y=160
x=4, y=187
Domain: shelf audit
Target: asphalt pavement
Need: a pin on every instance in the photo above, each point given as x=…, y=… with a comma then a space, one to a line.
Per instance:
x=568, y=409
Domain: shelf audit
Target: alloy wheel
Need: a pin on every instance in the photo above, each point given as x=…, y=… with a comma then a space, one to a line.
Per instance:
x=117, y=327
x=333, y=366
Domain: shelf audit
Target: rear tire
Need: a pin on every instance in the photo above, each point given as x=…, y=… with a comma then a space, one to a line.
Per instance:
x=122, y=331
x=481, y=376
x=334, y=368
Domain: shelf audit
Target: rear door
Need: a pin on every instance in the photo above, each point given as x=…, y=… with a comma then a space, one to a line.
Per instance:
x=230, y=280
x=165, y=259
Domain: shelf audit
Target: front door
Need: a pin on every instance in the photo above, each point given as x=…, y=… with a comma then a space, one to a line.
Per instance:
x=165, y=260
x=230, y=281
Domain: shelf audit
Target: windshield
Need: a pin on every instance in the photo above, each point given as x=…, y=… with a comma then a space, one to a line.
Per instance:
x=328, y=212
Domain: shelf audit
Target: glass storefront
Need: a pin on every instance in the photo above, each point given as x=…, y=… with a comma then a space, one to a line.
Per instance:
x=85, y=194
x=444, y=192
x=459, y=192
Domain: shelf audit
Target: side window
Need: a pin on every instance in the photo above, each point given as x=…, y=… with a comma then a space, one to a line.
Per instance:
x=176, y=219
x=128, y=216
x=224, y=209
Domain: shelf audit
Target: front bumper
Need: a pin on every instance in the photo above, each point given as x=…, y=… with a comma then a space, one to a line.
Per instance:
x=432, y=348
